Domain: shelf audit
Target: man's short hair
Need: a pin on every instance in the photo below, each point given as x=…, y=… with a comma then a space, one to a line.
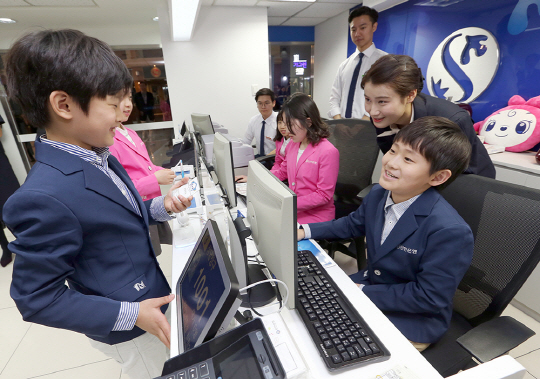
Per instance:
x=441, y=142
x=62, y=60
x=367, y=11
x=265, y=92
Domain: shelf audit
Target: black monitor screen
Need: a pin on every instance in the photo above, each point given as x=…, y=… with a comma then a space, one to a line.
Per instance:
x=202, y=287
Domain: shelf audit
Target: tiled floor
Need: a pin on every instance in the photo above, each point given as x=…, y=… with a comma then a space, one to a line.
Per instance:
x=34, y=351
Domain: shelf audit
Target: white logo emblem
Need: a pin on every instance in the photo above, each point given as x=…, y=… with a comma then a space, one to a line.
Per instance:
x=139, y=286
x=470, y=52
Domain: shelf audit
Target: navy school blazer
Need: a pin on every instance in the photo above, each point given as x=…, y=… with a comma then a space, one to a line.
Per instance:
x=413, y=275
x=72, y=223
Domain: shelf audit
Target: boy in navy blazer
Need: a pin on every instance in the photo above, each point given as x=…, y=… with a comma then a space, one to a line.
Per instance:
x=418, y=247
x=78, y=217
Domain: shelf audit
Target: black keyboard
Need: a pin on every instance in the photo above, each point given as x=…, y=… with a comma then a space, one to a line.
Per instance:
x=341, y=335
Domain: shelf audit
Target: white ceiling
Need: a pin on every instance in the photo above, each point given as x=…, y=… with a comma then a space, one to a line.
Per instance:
x=65, y=13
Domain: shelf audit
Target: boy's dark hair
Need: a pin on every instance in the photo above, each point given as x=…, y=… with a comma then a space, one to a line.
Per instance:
x=265, y=92
x=372, y=13
x=62, y=60
x=441, y=142
x=398, y=71
x=279, y=119
x=301, y=107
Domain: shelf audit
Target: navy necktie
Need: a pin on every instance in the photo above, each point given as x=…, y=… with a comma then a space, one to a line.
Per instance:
x=261, y=144
x=348, y=111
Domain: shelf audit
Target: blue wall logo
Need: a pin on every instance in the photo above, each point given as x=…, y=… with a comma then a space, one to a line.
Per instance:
x=463, y=65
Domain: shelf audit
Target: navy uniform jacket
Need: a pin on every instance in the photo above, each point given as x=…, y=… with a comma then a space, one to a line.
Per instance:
x=425, y=105
x=71, y=222
x=413, y=275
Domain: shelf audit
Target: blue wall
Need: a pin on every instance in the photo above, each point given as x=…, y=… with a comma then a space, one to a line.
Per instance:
x=291, y=33
x=417, y=31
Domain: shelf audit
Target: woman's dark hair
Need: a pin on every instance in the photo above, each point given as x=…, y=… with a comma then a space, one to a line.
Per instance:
x=62, y=60
x=301, y=107
x=399, y=71
x=441, y=142
x=279, y=119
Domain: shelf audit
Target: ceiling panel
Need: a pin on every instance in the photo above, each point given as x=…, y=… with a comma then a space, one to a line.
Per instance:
x=323, y=10
x=352, y=2
x=304, y=21
x=235, y=3
x=283, y=8
x=62, y=3
x=275, y=21
x=13, y=3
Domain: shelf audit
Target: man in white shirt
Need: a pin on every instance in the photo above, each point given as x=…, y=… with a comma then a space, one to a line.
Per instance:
x=346, y=100
x=263, y=126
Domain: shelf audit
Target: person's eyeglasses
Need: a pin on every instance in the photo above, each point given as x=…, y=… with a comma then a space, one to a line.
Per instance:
x=261, y=105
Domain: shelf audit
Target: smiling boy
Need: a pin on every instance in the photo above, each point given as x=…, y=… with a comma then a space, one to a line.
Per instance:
x=418, y=247
x=78, y=217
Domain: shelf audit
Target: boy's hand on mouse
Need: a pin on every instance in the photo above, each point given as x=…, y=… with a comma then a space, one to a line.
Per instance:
x=153, y=321
x=177, y=204
x=165, y=176
x=240, y=179
x=301, y=234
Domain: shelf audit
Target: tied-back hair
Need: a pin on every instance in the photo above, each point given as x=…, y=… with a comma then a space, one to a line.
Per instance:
x=62, y=60
x=279, y=118
x=398, y=71
x=441, y=142
x=301, y=107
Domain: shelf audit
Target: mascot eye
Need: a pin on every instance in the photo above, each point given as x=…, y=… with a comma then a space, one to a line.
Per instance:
x=522, y=127
x=490, y=126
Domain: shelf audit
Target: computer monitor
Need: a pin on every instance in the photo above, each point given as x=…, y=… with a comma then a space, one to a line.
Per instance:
x=261, y=294
x=222, y=161
x=271, y=213
x=207, y=291
x=183, y=129
x=196, y=152
x=202, y=123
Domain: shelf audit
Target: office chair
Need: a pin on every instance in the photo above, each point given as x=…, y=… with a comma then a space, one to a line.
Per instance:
x=356, y=141
x=505, y=221
x=267, y=160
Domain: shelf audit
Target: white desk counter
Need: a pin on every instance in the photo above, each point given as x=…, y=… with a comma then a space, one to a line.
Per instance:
x=401, y=350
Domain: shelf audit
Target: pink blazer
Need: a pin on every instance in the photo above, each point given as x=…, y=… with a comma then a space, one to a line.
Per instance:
x=279, y=158
x=137, y=164
x=313, y=180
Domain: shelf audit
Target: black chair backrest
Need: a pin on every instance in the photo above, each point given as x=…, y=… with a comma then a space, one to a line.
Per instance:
x=505, y=220
x=356, y=141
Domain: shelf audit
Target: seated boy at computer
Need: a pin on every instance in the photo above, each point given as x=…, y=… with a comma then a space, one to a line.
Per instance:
x=418, y=247
x=78, y=217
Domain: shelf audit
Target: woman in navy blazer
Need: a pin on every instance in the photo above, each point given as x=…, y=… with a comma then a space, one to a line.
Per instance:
x=311, y=164
x=392, y=90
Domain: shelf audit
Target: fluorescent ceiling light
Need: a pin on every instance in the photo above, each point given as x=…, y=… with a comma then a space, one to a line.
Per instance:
x=438, y=3
x=7, y=21
x=296, y=1
x=183, y=16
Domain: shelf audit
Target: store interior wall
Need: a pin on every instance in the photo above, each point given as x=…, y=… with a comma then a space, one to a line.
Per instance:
x=329, y=51
x=214, y=72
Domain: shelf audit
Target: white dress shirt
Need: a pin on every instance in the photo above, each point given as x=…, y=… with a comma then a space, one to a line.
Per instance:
x=254, y=131
x=342, y=83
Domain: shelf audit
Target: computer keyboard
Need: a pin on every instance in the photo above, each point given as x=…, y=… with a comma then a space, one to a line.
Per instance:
x=341, y=335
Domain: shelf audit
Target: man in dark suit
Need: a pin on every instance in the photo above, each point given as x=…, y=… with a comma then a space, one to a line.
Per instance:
x=144, y=101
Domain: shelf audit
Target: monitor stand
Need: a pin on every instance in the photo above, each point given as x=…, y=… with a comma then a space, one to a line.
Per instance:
x=261, y=294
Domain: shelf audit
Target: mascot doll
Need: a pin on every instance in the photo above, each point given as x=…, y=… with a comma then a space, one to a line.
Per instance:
x=516, y=127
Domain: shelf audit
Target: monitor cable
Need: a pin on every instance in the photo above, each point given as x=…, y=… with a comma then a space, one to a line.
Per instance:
x=244, y=291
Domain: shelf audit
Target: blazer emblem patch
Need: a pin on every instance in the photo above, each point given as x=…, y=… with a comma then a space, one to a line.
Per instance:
x=139, y=286
x=407, y=250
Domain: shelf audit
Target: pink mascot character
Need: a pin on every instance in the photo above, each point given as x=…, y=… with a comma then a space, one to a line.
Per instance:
x=516, y=127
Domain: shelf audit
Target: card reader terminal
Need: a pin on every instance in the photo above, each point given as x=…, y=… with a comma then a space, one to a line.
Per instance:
x=245, y=352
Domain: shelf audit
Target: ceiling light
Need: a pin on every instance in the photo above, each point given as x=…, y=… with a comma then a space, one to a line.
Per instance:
x=7, y=21
x=156, y=18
